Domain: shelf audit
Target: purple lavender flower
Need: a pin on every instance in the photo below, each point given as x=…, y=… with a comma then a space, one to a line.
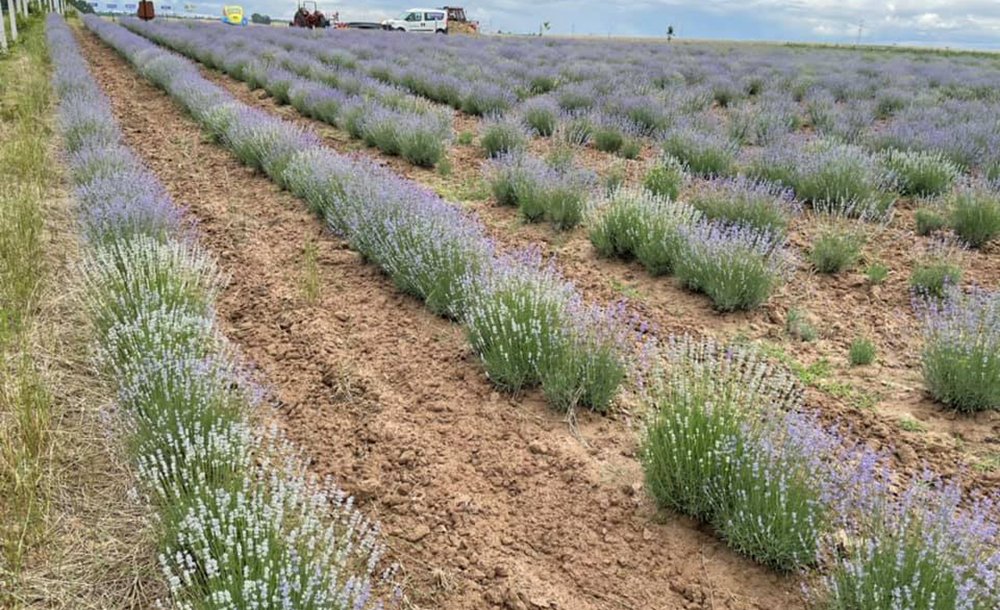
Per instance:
x=738, y=267
x=961, y=356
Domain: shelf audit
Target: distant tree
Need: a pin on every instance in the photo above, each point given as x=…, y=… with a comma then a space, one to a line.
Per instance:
x=546, y=26
x=258, y=18
x=81, y=6
x=670, y=33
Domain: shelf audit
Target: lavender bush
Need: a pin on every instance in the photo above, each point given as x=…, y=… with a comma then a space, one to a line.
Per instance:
x=919, y=173
x=837, y=178
x=636, y=223
x=936, y=270
x=961, y=355
x=975, y=215
x=502, y=136
x=703, y=152
x=837, y=246
x=665, y=179
x=737, y=267
x=530, y=328
x=539, y=190
x=925, y=550
x=541, y=115
x=741, y=201
x=929, y=219
x=723, y=444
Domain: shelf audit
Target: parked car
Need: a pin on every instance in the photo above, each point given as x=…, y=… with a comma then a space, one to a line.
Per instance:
x=233, y=15
x=433, y=20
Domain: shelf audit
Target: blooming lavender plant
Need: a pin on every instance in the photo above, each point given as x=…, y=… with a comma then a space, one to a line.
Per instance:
x=636, y=223
x=927, y=547
x=975, y=215
x=266, y=143
x=541, y=114
x=961, y=355
x=743, y=201
x=530, y=327
x=540, y=190
x=517, y=318
x=703, y=152
x=919, y=173
x=486, y=99
x=700, y=403
x=837, y=178
x=738, y=267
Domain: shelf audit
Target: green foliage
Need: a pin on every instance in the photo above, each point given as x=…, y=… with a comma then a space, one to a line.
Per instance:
x=975, y=216
x=743, y=204
x=797, y=325
x=862, y=352
x=933, y=277
x=929, y=220
x=421, y=147
x=608, y=139
x=961, y=363
x=636, y=223
x=701, y=156
x=836, y=248
x=876, y=273
x=665, y=179
x=920, y=173
x=631, y=149
x=614, y=179
x=502, y=137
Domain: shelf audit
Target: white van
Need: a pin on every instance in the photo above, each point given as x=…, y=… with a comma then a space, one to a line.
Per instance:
x=433, y=20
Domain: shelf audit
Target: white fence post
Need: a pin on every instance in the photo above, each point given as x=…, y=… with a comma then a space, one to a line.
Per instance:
x=12, y=13
x=3, y=34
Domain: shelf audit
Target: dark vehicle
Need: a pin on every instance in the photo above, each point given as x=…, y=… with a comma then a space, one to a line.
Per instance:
x=306, y=19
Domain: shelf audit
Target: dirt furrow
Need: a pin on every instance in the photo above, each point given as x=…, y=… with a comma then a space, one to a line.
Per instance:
x=875, y=401
x=487, y=501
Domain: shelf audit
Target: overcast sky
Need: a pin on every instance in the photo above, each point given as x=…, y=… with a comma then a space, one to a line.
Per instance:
x=964, y=23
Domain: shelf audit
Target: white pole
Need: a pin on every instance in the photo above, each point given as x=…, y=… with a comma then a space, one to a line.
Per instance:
x=12, y=13
x=24, y=8
x=3, y=34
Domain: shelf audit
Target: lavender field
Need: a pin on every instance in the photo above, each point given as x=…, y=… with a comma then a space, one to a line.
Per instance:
x=529, y=322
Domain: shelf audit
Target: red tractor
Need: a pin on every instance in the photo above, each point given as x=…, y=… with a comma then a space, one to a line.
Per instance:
x=304, y=18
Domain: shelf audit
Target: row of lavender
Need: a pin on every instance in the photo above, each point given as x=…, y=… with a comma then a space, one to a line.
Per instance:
x=725, y=442
x=529, y=325
x=381, y=115
x=930, y=103
x=239, y=523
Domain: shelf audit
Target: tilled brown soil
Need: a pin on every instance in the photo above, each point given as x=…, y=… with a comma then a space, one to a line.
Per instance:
x=486, y=501
x=875, y=401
